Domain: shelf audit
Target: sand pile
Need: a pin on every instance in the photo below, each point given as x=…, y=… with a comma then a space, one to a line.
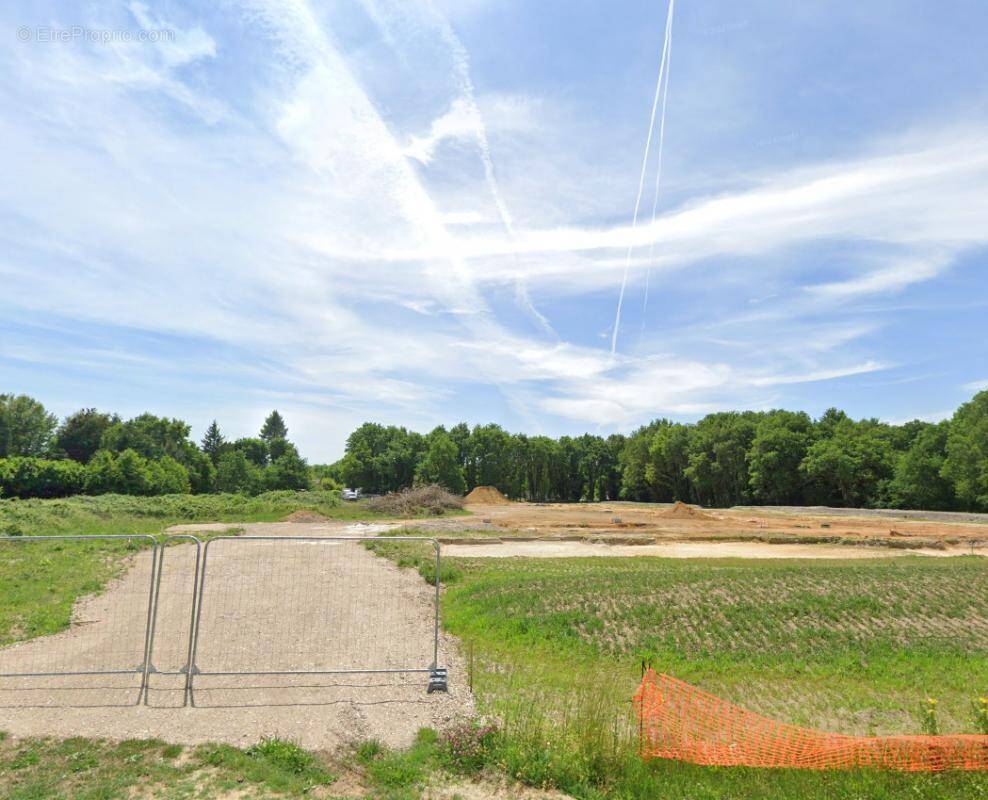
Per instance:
x=305, y=516
x=486, y=496
x=681, y=510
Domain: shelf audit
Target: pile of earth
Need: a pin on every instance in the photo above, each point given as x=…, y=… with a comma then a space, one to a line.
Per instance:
x=681, y=510
x=305, y=516
x=486, y=496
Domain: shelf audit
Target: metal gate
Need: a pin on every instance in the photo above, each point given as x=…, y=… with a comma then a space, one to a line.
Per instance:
x=245, y=606
x=312, y=605
x=122, y=643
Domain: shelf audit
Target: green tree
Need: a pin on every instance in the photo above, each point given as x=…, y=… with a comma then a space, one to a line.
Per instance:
x=80, y=434
x=256, y=450
x=26, y=428
x=540, y=455
x=966, y=464
x=168, y=477
x=718, y=449
x=149, y=436
x=131, y=474
x=100, y=476
x=849, y=467
x=288, y=471
x=274, y=427
x=441, y=464
x=200, y=469
x=237, y=475
x=487, y=457
x=212, y=442
x=919, y=481
x=277, y=448
x=782, y=439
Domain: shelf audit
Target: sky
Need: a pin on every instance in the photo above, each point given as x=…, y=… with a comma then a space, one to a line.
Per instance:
x=421, y=213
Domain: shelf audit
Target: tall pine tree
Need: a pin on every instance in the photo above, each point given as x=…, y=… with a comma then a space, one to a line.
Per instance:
x=213, y=441
x=274, y=427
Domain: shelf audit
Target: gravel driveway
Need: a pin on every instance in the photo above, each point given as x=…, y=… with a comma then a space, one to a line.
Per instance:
x=268, y=606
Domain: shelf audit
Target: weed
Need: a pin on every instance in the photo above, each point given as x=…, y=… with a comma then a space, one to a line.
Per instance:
x=172, y=751
x=465, y=748
x=404, y=769
x=368, y=751
x=980, y=707
x=929, y=719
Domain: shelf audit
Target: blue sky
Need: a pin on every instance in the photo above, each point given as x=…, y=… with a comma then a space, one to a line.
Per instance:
x=421, y=213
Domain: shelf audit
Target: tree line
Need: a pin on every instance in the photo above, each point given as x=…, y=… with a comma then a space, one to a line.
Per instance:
x=95, y=452
x=768, y=458
x=730, y=458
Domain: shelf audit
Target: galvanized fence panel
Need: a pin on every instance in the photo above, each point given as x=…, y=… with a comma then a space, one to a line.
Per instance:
x=313, y=605
x=173, y=619
x=110, y=631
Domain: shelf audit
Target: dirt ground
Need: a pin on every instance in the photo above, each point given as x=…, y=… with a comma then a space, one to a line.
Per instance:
x=639, y=525
x=507, y=548
x=267, y=607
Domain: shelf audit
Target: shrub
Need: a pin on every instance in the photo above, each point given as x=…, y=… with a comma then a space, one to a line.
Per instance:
x=38, y=477
x=417, y=501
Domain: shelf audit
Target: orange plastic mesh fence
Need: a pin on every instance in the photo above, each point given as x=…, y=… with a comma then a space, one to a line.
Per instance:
x=685, y=723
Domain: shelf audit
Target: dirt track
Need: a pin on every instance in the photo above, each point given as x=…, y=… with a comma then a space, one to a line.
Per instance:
x=267, y=607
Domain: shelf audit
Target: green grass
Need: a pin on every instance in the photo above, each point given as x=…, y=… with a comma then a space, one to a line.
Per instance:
x=555, y=647
x=93, y=769
x=41, y=581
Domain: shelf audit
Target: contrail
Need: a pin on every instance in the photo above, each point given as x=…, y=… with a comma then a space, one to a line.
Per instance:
x=641, y=178
x=667, y=57
x=461, y=62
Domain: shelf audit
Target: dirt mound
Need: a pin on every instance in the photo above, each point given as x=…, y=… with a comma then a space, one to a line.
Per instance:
x=681, y=510
x=305, y=516
x=416, y=502
x=486, y=496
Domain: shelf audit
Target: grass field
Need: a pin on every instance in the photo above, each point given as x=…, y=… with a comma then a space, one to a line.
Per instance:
x=851, y=646
x=554, y=649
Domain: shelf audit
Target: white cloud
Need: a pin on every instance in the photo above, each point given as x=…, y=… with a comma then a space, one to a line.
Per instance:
x=342, y=282
x=461, y=122
x=889, y=279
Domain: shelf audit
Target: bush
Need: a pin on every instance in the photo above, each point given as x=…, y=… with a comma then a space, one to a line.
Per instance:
x=38, y=477
x=417, y=501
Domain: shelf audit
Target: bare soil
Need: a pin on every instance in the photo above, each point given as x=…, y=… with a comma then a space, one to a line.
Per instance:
x=268, y=606
x=643, y=524
x=507, y=548
x=486, y=495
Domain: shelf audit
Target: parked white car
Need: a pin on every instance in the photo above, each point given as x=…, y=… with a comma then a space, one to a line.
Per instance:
x=351, y=494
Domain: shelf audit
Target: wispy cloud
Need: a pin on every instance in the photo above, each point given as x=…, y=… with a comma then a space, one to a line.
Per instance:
x=243, y=215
